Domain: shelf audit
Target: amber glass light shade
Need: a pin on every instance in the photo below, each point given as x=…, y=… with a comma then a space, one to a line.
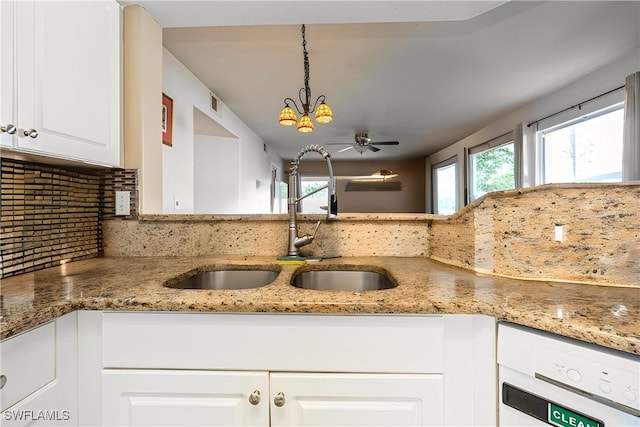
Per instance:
x=305, y=125
x=288, y=116
x=324, y=113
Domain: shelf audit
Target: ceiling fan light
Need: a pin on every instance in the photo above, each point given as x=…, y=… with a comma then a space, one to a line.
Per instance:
x=360, y=148
x=288, y=116
x=324, y=113
x=305, y=124
x=384, y=174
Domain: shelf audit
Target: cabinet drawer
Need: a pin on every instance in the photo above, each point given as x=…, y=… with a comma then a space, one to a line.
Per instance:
x=28, y=363
x=274, y=342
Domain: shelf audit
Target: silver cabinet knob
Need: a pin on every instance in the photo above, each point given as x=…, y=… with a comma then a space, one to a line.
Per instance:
x=9, y=128
x=254, y=398
x=3, y=381
x=279, y=400
x=31, y=133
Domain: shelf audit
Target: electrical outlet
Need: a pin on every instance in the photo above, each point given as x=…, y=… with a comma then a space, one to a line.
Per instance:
x=176, y=203
x=559, y=233
x=123, y=203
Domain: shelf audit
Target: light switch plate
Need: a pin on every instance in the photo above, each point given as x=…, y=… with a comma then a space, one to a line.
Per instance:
x=559, y=233
x=123, y=202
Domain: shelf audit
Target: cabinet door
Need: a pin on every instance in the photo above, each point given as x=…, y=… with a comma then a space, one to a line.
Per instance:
x=356, y=400
x=7, y=116
x=184, y=398
x=68, y=79
x=41, y=408
x=42, y=366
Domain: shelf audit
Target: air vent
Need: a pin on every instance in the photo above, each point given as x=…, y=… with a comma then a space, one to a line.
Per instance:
x=214, y=102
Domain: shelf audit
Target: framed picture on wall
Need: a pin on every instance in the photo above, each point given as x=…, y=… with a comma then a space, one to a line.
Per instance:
x=167, y=120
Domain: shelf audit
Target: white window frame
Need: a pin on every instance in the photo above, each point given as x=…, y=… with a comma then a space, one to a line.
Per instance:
x=540, y=145
x=507, y=138
x=434, y=182
x=314, y=178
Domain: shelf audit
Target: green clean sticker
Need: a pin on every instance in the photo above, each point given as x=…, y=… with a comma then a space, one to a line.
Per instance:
x=563, y=417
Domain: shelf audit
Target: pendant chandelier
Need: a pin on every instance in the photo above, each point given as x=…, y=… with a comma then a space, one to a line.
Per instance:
x=323, y=113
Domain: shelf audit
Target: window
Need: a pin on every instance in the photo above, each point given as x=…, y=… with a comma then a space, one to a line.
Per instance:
x=491, y=167
x=445, y=194
x=314, y=203
x=587, y=149
x=283, y=195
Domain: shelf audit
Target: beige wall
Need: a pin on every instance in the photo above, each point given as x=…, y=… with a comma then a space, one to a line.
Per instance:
x=142, y=98
x=410, y=199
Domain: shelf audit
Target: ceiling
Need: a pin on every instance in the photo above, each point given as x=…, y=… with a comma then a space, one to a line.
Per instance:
x=424, y=73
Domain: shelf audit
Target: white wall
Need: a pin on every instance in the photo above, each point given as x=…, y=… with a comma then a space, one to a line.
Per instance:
x=216, y=158
x=593, y=84
x=253, y=171
x=177, y=160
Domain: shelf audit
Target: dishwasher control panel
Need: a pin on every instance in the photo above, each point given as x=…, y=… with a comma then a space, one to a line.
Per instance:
x=617, y=380
x=609, y=376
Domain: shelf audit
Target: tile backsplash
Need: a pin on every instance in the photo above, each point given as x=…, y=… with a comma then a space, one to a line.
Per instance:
x=53, y=214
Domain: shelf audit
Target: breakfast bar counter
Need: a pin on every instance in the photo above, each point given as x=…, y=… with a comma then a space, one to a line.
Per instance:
x=604, y=315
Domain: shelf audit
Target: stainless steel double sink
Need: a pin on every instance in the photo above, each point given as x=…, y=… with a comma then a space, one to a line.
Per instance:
x=227, y=279
x=344, y=278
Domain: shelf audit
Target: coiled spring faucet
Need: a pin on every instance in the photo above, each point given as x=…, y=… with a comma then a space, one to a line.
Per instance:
x=295, y=241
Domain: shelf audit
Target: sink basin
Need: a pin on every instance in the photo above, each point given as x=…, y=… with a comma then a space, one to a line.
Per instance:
x=226, y=279
x=342, y=280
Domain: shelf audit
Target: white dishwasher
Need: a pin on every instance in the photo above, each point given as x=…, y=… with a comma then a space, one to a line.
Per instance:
x=546, y=379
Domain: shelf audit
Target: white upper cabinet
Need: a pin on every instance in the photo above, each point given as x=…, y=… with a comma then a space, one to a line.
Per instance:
x=7, y=114
x=66, y=79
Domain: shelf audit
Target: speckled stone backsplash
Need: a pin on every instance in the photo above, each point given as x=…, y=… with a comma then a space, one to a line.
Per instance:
x=265, y=235
x=508, y=233
x=511, y=233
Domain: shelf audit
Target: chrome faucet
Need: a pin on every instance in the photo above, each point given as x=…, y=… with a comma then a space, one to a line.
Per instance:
x=295, y=241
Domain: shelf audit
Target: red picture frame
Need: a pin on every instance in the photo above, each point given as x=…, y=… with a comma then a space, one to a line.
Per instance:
x=167, y=120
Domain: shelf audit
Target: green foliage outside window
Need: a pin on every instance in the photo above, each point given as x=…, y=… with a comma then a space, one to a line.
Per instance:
x=493, y=170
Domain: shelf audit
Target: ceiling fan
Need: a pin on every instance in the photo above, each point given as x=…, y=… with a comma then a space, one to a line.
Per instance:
x=363, y=143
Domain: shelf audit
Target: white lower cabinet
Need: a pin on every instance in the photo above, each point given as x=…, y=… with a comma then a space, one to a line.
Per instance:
x=192, y=369
x=184, y=398
x=307, y=399
x=166, y=369
x=232, y=398
x=40, y=380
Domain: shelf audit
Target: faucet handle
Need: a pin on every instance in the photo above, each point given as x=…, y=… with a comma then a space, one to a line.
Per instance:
x=315, y=229
x=307, y=238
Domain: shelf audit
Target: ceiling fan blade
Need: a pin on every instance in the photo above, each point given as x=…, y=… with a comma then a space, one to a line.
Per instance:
x=345, y=149
x=385, y=143
x=339, y=143
x=372, y=148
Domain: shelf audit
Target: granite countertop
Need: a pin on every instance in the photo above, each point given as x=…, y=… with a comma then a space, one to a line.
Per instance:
x=605, y=315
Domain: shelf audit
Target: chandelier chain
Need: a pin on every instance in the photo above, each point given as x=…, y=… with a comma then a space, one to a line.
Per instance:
x=307, y=89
